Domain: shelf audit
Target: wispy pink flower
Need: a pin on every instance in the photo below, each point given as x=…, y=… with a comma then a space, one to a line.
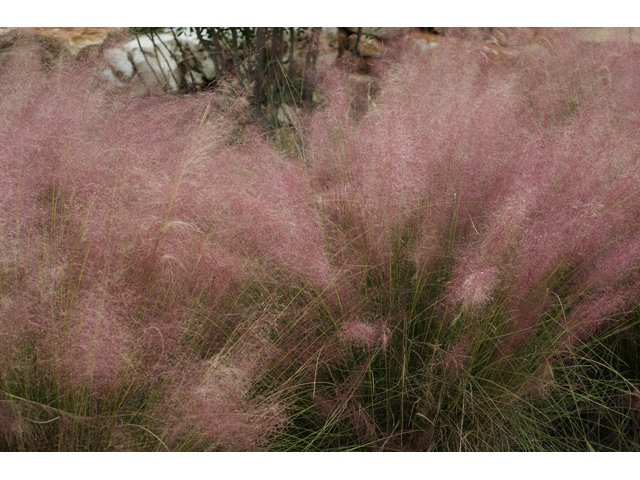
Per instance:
x=477, y=288
x=365, y=334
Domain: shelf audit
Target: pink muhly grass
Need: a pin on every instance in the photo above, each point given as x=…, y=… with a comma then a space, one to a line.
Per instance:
x=211, y=406
x=123, y=219
x=516, y=181
x=366, y=334
x=398, y=167
x=135, y=230
x=456, y=358
x=516, y=191
x=524, y=315
x=614, y=267
x=477, y=288
x=97, y=349
x=264, y=204
x=573, y=195
x=598, y=312
x=350, y=411
x=11, y=330
x=199, y=204
x=15, y=431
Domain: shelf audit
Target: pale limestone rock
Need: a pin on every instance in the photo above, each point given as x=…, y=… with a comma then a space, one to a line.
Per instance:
x=155, y=60
x=329, y=36
x=154, y=63
x=73, y=39
x=282, y=117
x=289, y=115
x=121, y=69
x=424, y=46
x=203, y=59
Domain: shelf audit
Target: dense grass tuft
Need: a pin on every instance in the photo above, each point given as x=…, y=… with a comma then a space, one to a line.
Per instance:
x=450, y=264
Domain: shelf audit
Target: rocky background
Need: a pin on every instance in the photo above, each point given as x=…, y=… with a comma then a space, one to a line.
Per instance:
x=174, y=61
x=338, y=42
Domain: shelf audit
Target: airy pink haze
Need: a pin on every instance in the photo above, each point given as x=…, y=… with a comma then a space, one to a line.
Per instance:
x=157, y=240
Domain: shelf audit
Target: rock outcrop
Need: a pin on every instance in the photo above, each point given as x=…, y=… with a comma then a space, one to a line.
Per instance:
x=169, y=62
x=159, y=63
x=70, y=39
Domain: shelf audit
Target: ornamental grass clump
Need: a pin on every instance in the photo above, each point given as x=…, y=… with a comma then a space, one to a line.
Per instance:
x=469, y=206
x=135, y=232
x=449, y=264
